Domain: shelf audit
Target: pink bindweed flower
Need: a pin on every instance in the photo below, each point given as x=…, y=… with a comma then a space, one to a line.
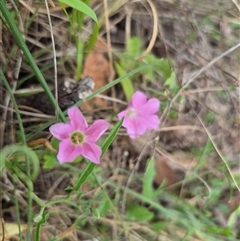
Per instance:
x=77, y=138
x=140, y=115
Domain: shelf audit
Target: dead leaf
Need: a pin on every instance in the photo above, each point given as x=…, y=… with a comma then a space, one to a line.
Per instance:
x=10, y=230
x=97, y=66
x=173, y=167
x=181, y=160
x=164, y=172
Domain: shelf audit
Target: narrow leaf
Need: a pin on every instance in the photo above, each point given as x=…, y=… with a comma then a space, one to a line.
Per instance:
x=82, y=7
x=127, y=85
x=148, y=178
x=109, y=140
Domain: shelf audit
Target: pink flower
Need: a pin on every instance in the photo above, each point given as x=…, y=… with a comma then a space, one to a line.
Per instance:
x=140, y=115
x=77, y=138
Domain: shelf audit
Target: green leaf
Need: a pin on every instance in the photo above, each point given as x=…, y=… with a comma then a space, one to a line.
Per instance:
x=92, y=38
x=148, y=178
x=134, y=48
x=157, y=226
x=232, y=220
x=50, y=161
x=171, y=81
x=104, y=206
x=82, y=7
x=164, y=67
x=80, y=51
x=109, y=140
x=11, y=149
x=127, y=85
x=95, y=212
x=136, y=212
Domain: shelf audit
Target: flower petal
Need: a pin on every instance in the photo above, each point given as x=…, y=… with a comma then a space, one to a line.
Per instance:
x=140, y=115
x=68, y=152
x=151, y=123
x=138, y=99
x=151, y=107
x=92, y=152
x=134, y=127
x=77, y=119
x=61, y=131
x=96, y=130
x=122, y=114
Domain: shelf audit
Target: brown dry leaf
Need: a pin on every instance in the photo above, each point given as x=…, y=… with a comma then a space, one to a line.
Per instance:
x=10, y=230
x=169, y=167
x=172, y=167
x=181, y=160
x=164, y=173
x=98, y=67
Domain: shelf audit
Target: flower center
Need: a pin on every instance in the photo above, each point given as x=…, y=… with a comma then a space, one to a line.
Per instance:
x=131, y=113
x=77, y=138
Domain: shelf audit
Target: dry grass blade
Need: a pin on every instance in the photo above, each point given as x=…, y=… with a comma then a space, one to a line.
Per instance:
x=155, y=31
x=219, y=153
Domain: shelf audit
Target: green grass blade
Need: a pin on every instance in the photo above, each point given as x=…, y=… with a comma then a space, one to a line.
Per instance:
x=28, y=55
x=127, y=85
x=92, y=38
x=80, y=46
x=110, y=138
x=82, y=7
x=148, y=179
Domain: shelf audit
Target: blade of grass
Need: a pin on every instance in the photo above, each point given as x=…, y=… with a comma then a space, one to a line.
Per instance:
x=127, y=85
x=92, y=38
x=22, y=45
x=82, y=7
